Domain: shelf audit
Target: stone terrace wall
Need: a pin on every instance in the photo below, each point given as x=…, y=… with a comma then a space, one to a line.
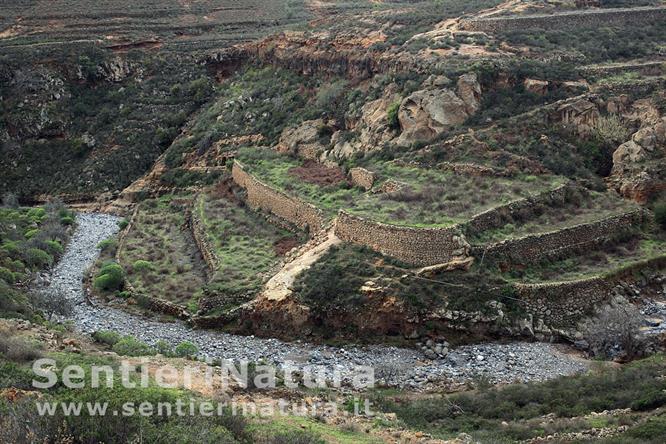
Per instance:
x=562, y=304
x=534, y=248
x=498, y=216
x=417, y=246
x=201, y=240
x=568, y=20
x=259, y=195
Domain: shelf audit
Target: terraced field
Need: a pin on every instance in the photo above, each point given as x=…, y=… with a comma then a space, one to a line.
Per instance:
x=158, y=253
x=403, y=195
x=180, y=24
x=246, y=248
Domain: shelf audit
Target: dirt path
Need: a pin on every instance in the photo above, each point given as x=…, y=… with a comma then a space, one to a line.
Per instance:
x=280, y=286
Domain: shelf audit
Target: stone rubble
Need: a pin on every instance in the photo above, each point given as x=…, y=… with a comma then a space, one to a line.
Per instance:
x=408, y=368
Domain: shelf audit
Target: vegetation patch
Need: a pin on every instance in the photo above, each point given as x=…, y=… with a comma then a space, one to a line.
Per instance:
x=247, y=247
x=516, y=412
x=159, y=255
x=414, y=196
x=31, y=240
x=609, y=257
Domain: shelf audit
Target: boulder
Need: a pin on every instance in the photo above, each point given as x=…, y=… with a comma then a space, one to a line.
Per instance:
x=469, y=90
x=303, y=140
x=638, y=171
x=426, y=114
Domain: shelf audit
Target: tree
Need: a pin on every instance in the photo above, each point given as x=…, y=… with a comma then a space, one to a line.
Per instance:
x=53, y=302
x=615, y=332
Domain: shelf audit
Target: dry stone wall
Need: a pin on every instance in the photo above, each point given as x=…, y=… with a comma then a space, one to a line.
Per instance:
x=362, y=178
x=563, y=304
x=259, y=195
x=568, y=20
x=537, y=247
x=417, y=246
x=498, y=216
x=201, y=240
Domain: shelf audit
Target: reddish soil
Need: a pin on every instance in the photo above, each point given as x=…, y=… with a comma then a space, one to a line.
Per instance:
x=318, y=174
x=285, y=245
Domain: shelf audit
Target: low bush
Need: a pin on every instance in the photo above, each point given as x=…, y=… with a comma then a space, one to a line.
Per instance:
x=186, y=350
x=37, y=259
x=67, y=220
x=142, y=266
x=54, y=247
x=163, y=348
x=17, y=350
x=31, y=233
x=660, y=214
x=392, y=116
x=123, y=224
x=110, y=278
x=130, y=346
x=108, y=245
x=7, y=276
x=109, y=338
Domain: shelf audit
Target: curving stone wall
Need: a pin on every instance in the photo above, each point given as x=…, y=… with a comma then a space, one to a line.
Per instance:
x=563, y=304
x=498, y=216
x=568, y=20
x=259, y=195
x=417, y=246
x=536, y=247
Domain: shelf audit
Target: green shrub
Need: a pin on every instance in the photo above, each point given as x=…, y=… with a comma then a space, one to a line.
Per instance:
x=124, y=294
x=31, y=233
x=107, y=282
x=109, y=338
x=7, y=276
x=649, y=401
x=164, y=348
x=55, y=247
x=186, y=350
x=110, y=278
x=37, y=259
x=142, y=266
x=130, y=346
x=67, y=220
x=392, y=116
x=660, y=214
x=123, y=224
x=653, y=430
x=18, y=266
x=108, y=245
x=36, y=214
x=11, y=248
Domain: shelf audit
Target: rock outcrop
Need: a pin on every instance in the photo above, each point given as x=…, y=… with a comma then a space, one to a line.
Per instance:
x=638, y=171
x=427, y=113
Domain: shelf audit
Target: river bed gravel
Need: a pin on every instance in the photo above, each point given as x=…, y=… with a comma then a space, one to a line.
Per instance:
x=495, y=363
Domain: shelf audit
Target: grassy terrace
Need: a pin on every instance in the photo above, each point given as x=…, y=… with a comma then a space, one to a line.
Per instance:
x=246, y=245
x=589, y=264
x=428, y=198
x=159, y=257
x=581, y=206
